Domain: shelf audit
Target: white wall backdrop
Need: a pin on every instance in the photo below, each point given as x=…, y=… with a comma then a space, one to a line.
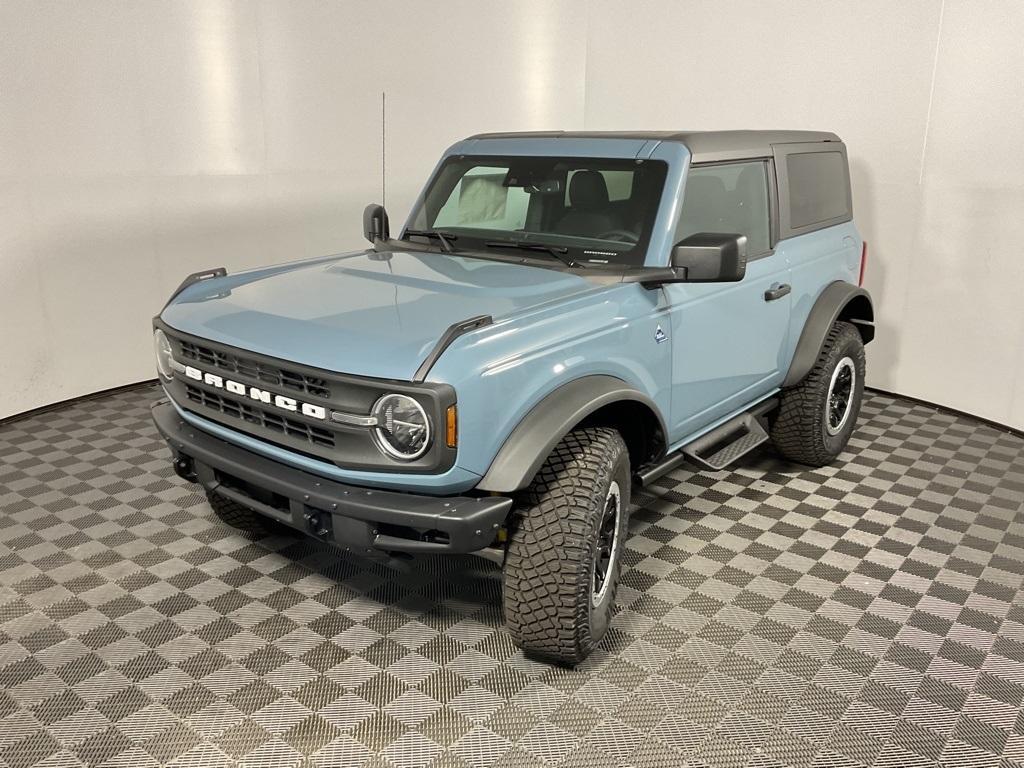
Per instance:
x=140, y=141
x=929, y=97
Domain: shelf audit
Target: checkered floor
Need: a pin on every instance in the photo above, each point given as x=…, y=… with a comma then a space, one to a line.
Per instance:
x=870, y=613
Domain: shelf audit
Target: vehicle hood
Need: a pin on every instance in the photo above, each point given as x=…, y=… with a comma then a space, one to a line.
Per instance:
x=370, y=314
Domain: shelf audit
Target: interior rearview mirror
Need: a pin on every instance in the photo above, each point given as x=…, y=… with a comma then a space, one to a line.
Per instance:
x=710, y=257
x=375, y=223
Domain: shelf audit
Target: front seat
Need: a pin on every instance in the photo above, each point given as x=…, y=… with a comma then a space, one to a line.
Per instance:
x=588, y=214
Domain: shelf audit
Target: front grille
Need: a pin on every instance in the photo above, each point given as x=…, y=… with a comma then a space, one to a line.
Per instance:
x=254, y=369
x=259, y=417
x=224, y=402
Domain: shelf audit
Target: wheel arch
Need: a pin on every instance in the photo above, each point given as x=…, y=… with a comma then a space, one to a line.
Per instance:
x=839, y=301
x=595, y=400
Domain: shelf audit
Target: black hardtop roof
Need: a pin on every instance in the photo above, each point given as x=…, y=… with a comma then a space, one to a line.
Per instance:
x=703, y=145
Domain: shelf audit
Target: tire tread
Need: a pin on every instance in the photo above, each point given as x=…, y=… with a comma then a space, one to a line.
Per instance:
x=797, y=428
x=546, y=594
x=237, y=515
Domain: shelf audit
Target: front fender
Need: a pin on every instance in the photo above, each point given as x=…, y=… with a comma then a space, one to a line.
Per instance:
x=533, y=439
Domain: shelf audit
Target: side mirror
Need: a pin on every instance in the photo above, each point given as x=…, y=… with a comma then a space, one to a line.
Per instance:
x=375, y=223
x=710, y=257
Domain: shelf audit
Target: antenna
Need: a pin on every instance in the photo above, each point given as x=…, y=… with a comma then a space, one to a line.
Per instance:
x=383, y=150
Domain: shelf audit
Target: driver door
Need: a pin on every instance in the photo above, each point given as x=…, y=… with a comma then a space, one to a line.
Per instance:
x=728, y=339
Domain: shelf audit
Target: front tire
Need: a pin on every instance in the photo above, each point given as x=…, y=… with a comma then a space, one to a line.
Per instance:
x=818, y=415
x=565, y=548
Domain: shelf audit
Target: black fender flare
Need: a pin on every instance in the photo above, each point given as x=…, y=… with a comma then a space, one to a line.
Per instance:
x=839, y=301
x=540, y=430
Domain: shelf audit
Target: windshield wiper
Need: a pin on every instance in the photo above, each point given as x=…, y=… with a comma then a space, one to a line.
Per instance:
x=445, y=238
x=554, y=250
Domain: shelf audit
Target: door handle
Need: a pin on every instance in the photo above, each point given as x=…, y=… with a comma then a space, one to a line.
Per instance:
x=777, y=291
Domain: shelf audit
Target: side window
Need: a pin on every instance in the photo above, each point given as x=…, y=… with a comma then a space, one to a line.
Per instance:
x=481, y=201
x=731, y=198
x=818, y=188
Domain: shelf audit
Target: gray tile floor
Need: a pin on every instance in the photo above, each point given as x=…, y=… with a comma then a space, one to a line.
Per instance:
x=869, y=613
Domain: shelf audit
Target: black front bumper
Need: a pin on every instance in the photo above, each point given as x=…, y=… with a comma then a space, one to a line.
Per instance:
x=353, y=517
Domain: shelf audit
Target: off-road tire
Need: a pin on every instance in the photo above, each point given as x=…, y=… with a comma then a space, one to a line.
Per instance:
x=237, y=515
x=799, y=430
x=553, y=543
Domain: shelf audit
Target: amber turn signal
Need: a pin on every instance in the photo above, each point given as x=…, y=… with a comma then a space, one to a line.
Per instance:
x=452, y=426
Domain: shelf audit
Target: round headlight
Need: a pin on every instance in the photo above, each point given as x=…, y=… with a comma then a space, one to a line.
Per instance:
x=403, y=429
x=164, y=356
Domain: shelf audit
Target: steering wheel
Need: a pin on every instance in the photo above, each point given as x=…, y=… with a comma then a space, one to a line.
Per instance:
x=620, y=236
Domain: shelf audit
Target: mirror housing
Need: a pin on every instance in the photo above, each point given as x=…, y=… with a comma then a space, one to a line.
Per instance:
x=375, y=223
x=710, y=257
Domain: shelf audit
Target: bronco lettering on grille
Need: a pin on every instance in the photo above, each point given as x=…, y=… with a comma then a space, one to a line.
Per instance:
x=255, y=393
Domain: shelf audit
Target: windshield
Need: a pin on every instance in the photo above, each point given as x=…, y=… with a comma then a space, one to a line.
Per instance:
x=589, y=210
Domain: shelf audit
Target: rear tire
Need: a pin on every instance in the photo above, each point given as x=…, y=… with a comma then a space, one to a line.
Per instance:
x=818, y=415
x=565, y=547
x=237, y=515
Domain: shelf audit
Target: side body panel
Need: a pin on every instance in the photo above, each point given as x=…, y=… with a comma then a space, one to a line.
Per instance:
x=816, y=260
x=731, y=347
x=502, y=371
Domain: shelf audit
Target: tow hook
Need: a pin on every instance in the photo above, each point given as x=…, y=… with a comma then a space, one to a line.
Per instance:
x=318, y=523
x=184, y=467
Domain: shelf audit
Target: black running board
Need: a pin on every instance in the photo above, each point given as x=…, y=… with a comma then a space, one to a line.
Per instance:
x=723, y=445
x=720, y=447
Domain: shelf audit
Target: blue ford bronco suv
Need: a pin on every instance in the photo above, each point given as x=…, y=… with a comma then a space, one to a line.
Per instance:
x=563, y=315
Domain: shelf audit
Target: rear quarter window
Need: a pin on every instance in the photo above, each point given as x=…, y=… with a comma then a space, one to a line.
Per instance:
x=819, y=191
